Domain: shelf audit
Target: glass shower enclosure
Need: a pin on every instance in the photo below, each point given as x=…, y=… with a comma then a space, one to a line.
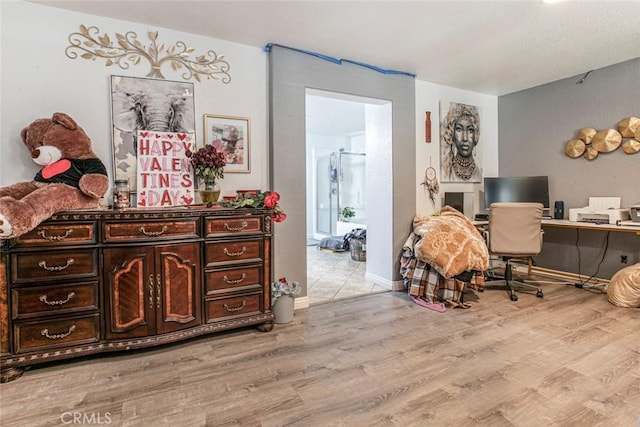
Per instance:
x=341, y=183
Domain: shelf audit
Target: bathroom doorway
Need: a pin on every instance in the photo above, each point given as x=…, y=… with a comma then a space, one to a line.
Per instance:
x=336, y=146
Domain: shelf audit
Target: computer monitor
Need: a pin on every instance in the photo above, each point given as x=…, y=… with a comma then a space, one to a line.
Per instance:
x=516, y=189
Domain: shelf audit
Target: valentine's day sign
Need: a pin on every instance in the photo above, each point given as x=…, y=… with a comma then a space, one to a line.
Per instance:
x=165, y=176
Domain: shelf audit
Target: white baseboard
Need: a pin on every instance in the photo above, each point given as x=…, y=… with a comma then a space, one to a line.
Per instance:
x=301, y=302
x=563, y=275
x=394, y=285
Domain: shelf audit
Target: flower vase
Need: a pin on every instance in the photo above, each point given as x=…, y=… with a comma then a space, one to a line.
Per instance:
x=211, y=191
x=283, y=308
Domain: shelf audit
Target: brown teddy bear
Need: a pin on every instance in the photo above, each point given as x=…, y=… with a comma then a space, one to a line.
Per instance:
x=72, y=176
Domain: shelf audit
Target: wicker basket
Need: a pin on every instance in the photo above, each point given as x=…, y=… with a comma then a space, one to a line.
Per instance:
x=358, y=249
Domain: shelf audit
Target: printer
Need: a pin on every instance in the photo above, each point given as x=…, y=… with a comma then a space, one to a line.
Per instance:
x=601, y=210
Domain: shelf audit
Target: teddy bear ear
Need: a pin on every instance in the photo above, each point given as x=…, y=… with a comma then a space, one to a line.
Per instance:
x=23, y=135
x=64, y=120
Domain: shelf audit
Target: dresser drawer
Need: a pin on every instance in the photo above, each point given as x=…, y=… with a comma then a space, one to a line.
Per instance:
x=233, y=225
x=150, y=230
x=53, y=333
x=80, y=233
x=224, y=308
x=45, y=300
x=30, y=267
x=233, y=279
x=233, y=251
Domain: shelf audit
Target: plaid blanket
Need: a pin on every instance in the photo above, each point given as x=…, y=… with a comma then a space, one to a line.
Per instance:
x=423, y=281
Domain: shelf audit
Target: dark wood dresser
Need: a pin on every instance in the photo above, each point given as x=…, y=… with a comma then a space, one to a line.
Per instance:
x=86, y=282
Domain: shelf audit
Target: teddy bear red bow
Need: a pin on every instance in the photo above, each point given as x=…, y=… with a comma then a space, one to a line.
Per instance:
x=72, y=177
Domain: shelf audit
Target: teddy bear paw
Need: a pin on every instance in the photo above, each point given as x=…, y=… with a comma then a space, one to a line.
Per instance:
x=5, y=227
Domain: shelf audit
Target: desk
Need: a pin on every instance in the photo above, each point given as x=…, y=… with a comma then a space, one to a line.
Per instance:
x=590, y=226
x=556, y=258
x=565, y=223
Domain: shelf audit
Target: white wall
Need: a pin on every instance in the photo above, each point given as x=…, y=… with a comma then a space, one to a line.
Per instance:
x=38, y=79
x=428, y=97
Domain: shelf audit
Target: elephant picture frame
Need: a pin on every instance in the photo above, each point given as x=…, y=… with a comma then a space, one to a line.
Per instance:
x=230, y=135
x=146, y=104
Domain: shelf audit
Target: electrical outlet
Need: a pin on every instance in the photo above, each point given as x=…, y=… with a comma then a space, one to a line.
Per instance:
x=623, y=259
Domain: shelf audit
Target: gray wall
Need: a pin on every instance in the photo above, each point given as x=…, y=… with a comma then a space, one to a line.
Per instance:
x=534, y=126
x=290, y=74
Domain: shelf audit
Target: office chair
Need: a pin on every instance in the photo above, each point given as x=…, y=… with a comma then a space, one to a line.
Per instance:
x=515, y=231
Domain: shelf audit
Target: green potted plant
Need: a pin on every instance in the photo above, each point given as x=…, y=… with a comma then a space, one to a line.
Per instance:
x=347, y=213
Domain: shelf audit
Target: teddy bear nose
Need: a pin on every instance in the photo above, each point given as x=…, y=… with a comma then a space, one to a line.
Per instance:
x=35, y=153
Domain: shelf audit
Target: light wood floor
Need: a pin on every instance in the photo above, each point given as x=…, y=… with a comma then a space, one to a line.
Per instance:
x=570, y=359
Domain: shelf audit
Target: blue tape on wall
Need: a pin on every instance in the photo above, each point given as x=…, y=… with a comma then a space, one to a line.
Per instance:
x=339, y=61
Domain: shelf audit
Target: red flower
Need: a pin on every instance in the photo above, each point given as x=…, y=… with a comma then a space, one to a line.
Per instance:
x=271, y=200
x=279, y=217
x=258, y=199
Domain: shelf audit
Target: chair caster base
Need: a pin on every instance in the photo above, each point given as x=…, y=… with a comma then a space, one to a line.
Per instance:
x=539, y=294
x=513, y=297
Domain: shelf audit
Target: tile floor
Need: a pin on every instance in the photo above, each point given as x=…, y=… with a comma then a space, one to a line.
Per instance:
x=334, y=275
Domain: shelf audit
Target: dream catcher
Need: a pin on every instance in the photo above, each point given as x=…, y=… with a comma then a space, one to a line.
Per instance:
x=431, y=183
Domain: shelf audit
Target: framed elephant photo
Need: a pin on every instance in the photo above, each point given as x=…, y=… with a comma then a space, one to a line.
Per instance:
x=144, y=104
x=230, y=135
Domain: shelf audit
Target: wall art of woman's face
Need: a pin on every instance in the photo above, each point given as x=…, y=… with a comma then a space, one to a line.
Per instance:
x=464, y=136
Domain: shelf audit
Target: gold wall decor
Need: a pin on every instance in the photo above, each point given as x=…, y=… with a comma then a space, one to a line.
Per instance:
x=589, y=142
x=606, y=140
x=586, y=135
x=88, y=43
x=629, y=126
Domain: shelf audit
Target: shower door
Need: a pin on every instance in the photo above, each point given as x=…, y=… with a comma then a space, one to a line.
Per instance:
x=326, y=196
x=352, y=185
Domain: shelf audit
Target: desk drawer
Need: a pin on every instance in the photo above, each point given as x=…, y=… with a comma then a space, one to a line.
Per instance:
x=54, y=333
x=45, y=300
x=59, y=234
x=150, y=230
x=37, y=267
x=233, y=251
x=237, y=225
x=238, y=306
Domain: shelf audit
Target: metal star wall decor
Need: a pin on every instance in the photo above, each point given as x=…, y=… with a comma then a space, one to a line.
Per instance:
x=88, y=43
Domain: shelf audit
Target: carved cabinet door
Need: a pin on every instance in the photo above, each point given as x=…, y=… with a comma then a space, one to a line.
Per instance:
x=131, y=292
x=177, y=274
x=152, y=290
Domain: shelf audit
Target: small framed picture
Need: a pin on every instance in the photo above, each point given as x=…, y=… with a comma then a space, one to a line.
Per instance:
x=231, y=136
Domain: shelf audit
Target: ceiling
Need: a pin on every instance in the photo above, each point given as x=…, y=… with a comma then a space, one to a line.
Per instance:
x=491, y=47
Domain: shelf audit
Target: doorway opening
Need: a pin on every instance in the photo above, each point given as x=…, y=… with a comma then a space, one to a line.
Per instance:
x=338, y=138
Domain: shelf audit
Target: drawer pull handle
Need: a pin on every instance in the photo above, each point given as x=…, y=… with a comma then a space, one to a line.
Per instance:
x=235, y=254
x=158, y=290
x=70, y=295
x=151, y=291
x=234, y=309
x=44, y=265
x=152, y=233
x=45, y=333
x=242, y=226
x=234, y=281
x=43, y=234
